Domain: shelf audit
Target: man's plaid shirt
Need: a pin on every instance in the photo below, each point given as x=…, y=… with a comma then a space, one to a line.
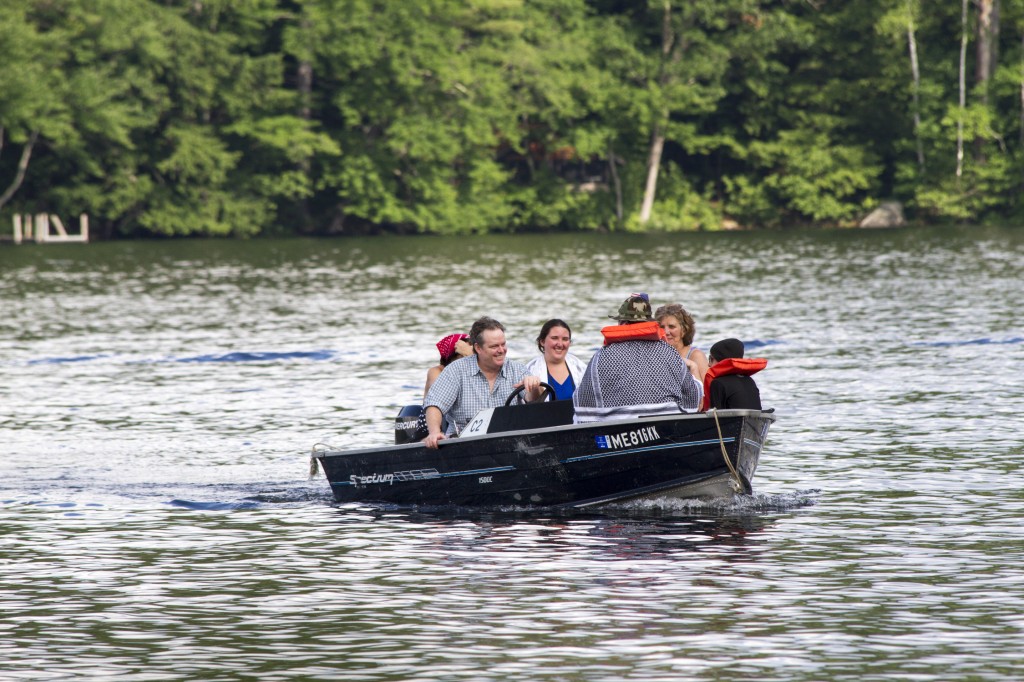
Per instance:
x=461, y=390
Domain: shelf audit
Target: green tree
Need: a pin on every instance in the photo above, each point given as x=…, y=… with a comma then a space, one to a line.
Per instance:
x=453, y=116
x=34, y=107
x=818, y=127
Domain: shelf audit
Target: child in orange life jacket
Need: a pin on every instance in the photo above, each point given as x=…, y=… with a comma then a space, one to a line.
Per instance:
x=727, y=384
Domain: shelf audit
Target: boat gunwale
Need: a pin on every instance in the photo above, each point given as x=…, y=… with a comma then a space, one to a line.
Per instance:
x=760, y=414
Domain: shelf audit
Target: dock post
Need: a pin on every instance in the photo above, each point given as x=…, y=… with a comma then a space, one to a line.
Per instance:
x=36, y=228
x=42, y=227
x=59, y=224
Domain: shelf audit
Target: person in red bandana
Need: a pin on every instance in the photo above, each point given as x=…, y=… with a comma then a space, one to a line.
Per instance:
x=451, y=348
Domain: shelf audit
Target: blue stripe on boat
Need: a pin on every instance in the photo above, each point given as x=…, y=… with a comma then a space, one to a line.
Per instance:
x=613, y=453
x=450, y=474
x=474, y=472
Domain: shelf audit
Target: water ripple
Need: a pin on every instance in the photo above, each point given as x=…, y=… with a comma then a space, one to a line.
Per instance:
x=156, y=520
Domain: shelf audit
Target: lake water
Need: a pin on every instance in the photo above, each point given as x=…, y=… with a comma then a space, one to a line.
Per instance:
x=158, y=402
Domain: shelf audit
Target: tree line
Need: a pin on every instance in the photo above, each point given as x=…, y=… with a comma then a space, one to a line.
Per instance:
x=247, y=117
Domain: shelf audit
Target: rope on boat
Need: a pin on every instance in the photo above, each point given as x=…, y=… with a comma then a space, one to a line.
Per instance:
x=725, y=455
x=314, y=464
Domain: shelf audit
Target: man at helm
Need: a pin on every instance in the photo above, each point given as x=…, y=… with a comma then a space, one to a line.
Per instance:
x=474, y=383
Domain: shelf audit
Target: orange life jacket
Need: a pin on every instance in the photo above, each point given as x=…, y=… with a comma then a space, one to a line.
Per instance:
x=745, y=366
x=640, y=331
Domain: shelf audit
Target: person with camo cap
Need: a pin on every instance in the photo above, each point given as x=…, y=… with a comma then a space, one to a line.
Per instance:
x=635, y=373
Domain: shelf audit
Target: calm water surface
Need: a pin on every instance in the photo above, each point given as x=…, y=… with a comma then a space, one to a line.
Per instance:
x=158, y=402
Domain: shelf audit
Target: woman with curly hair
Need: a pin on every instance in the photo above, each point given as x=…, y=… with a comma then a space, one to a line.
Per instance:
x=679, y=329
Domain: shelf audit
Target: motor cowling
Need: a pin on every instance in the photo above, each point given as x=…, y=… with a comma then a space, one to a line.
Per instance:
x=410, y=425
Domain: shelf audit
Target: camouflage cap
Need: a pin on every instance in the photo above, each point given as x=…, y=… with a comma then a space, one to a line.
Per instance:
x=636, y=308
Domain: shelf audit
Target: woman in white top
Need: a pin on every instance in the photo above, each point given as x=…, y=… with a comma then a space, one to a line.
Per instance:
x=556, y=366
x=679, y=329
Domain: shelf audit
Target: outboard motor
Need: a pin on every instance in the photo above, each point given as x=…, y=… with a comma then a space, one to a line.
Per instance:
x=407, y=425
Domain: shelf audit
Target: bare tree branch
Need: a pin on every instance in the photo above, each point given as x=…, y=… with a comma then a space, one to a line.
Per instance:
x=963, y=94
x=916, y=74
x=19, y=177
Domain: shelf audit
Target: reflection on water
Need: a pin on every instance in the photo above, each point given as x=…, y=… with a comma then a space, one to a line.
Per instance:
x=158, y=402
x=653, y=531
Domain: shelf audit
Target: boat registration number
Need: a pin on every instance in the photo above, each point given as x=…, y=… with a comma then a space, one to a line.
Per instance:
x=628, y=439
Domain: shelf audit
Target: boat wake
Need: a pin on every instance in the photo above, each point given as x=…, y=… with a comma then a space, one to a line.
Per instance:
x=198, y=497
x=250, y=496
x=655, y=508
x=213, y=506
x=737, y=504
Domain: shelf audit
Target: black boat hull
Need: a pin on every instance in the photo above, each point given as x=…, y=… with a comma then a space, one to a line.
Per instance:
x=575, y=465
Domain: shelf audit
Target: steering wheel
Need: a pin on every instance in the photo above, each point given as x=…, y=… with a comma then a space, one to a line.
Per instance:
x=517, y=393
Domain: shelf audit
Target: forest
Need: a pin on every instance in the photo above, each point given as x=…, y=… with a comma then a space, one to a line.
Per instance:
x=240, y=118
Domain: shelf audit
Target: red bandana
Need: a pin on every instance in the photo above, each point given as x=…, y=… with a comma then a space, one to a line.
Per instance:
x=446, y=346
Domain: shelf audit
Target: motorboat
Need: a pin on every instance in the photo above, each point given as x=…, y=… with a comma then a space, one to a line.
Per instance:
x=534, y=455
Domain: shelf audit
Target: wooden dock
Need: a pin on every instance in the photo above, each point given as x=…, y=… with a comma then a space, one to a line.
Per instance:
x=46, y=228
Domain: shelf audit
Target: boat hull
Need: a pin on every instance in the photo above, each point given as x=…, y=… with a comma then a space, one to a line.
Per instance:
x=576, y=465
